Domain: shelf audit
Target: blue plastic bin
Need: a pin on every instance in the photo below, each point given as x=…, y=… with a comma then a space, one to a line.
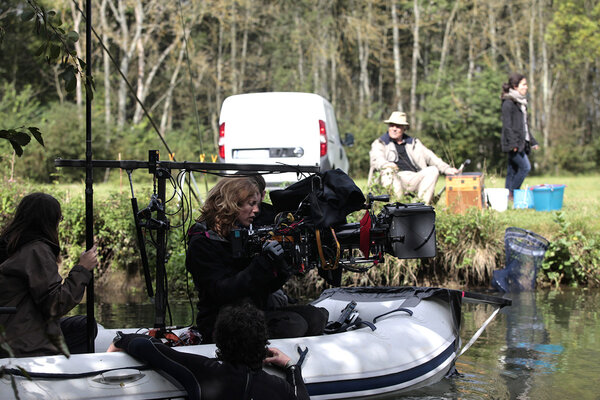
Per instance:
x=548, y=197
x=523, y=198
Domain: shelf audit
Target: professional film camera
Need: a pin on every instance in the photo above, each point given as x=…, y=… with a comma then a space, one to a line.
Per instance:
x=312, y=229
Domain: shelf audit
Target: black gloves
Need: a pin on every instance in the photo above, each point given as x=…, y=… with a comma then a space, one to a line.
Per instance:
x=273, y=251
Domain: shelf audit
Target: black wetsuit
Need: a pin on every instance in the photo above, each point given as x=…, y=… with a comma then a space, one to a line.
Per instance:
x=209, y=379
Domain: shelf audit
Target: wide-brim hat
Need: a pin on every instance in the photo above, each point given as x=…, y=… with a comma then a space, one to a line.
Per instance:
x=398, y=118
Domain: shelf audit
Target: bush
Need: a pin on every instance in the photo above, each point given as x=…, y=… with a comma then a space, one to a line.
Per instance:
x=572, y=258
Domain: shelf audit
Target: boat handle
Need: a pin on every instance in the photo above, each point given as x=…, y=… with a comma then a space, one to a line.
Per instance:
x=119, y=376
x=406, y=310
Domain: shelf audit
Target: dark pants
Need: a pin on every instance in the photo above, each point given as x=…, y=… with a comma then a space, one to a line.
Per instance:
x=296, y=321
x=74, y=329
x=517, y=169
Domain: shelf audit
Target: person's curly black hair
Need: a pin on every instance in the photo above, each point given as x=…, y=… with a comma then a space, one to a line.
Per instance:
x=241, y=335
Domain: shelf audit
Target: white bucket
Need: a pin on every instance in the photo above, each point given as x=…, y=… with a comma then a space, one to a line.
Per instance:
x=497, y=198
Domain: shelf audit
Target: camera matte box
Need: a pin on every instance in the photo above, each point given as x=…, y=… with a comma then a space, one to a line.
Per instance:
x=412, y=230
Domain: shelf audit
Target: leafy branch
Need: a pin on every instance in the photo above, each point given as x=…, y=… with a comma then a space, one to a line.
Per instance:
x=58, y=45
x=19, y=138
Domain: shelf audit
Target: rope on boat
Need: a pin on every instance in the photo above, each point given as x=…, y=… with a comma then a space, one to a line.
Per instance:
x=479, y=332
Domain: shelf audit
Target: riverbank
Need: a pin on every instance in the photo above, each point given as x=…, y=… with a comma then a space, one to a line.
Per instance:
x=470, y=246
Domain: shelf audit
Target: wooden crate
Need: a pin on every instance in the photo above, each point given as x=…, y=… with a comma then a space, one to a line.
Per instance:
x=464, y=191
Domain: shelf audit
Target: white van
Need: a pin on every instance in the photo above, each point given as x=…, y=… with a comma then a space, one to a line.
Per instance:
x=281, y=128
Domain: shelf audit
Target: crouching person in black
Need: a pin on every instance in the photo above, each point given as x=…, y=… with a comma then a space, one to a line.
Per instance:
x=222, y=279
x=241, y=339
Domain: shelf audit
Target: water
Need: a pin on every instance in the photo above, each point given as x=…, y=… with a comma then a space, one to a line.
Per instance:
x=546, y=346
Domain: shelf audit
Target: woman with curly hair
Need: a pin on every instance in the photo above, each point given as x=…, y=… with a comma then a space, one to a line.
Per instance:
x=241, y=339
x=29, y=281
x=222, y=279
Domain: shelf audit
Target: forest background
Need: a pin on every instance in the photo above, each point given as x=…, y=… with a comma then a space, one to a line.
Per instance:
x=442, y=62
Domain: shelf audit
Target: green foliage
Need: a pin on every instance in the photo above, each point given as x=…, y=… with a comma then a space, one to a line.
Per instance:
x=469, y=245
x=365, y=131
x=572, y=156
x=58, y=45
x=462, y=120
x=63, y=134
x=18, y=108
x=574, y=29
x=572, y=258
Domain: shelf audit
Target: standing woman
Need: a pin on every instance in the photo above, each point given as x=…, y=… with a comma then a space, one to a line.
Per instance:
x=517, y=139
x=29, y=281
x=223, y=279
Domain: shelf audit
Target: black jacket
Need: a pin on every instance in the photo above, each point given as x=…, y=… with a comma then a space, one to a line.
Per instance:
x=513, y=128
x=206, y=378
x=221, y=279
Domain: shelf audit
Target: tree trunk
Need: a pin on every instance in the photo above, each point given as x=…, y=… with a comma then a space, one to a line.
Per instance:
x=492, y=32
x=397, y=59
x=445, y=46
x=247, y=24
x=76, y=24
x=106, y=64
x=299, y=50
x=107, y=85
x=546, y=86
x=532, y=82
x=127, y=46
x=141, y=65
x=165, y=120
x=146, y=83
x=233, y=49
x=415, y=58
x=218, y=89
x=514, y=42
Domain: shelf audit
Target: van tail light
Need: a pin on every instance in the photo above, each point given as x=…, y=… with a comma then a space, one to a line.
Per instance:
x=323, y=137
x=221, y=141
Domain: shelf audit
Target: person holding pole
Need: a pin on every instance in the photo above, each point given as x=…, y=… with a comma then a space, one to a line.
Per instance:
x=29, y=281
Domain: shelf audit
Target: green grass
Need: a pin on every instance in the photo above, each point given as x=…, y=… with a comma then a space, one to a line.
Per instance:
x=581, y=203
x=456, y=257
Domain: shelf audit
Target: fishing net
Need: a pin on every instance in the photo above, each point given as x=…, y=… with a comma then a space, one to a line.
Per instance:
x=524, y=255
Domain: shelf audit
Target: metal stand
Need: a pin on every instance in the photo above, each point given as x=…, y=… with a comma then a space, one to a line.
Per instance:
x=161, y=171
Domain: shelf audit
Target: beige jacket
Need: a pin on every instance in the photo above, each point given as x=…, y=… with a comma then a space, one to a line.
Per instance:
x=383, y=154
x=29, y=280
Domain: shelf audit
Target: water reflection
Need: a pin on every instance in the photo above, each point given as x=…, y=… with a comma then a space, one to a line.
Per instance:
x=546, y=346
x=529, y=351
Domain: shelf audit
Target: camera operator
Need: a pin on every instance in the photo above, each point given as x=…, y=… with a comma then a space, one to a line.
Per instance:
x=221, y=279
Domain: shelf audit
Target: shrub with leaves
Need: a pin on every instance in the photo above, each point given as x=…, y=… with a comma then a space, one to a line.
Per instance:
x=572, y=258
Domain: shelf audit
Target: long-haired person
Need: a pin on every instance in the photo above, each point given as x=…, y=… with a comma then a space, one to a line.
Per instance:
x=222, y=279
x=29, y=281
x=517, y=138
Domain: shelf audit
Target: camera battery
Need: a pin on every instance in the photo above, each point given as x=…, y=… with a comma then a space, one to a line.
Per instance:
x=412, y=230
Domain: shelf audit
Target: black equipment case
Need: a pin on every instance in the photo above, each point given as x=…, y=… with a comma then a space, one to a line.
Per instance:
x=412, y=230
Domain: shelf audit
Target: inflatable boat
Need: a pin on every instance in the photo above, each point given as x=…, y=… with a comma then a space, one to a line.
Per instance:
x=381, y=340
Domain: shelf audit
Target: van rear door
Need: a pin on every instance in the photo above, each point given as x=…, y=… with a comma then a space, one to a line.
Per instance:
x=272, y=128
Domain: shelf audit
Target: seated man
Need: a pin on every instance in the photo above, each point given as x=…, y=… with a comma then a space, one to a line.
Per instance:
x=236, y=373
x=404, y=162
